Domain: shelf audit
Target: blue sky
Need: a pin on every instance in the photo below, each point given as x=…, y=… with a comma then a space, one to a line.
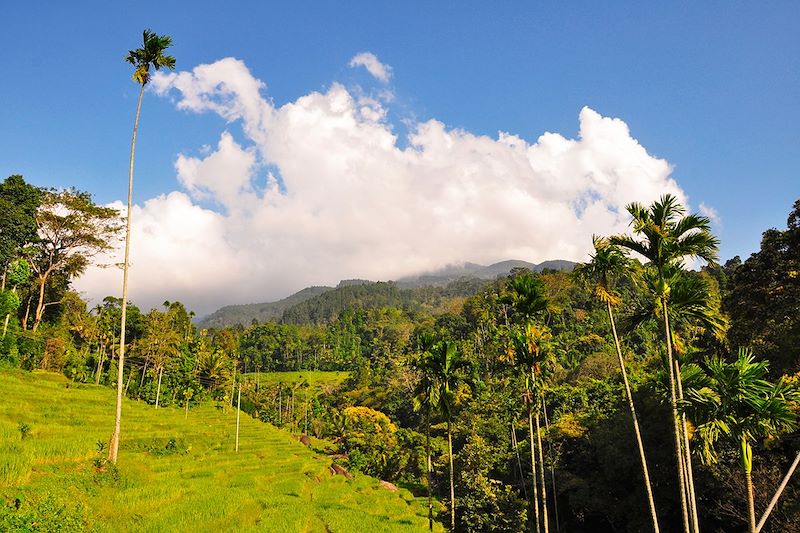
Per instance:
x=709, y=87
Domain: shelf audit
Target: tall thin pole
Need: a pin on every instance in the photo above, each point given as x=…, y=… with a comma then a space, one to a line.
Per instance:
x=113, y=449
x=238, y=412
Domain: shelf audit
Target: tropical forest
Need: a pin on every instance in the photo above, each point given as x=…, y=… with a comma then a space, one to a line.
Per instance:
x=643, y=384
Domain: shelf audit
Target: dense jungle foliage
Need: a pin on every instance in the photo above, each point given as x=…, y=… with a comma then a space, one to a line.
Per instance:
x=512, y=387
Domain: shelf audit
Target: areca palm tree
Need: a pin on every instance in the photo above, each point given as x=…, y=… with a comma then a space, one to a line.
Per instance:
x=441, y=368
x=665, y=236
x=532, y=349
x=735, y=401
x=607, y=264
x=529, y=343
x=150, y=55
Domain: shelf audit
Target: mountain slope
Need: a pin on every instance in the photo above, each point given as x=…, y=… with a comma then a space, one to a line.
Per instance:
x=262, y=312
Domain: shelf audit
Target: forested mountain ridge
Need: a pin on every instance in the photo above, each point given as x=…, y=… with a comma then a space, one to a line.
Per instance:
x=310, y=305
x=244, y=314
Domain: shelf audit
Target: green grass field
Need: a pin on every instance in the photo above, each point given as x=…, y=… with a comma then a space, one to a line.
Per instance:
x=174, y=474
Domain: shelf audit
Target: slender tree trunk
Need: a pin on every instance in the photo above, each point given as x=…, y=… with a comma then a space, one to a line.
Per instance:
x=127, y=383
x=238, y=413
x=452, y=477
x=778, y=493
x=144, y=373
x=113, y=450
x=552, y=468
x=534, y=483
x=545, y=520
x=688, y=455
x=280, y=408
x=158, y=389
x=515, y=444
x=746, y=456
x=99, y=370
x=8, y=315
x=640, y=445
x=430, y=469
x=675, y=420
x=27, y=312
x=37, y=317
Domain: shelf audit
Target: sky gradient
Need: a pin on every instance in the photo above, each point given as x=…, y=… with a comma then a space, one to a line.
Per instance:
x=707, y=92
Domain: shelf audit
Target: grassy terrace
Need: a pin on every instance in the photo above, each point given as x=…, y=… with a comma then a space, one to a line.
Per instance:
x=175, y=474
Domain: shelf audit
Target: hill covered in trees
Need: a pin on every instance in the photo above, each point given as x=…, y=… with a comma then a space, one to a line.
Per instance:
x=311, y=305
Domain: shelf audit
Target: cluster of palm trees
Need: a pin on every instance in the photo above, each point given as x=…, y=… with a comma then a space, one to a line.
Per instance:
x=726, y=398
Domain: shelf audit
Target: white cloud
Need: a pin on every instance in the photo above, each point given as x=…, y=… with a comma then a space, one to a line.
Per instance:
x=369, y=61
x=710, y=213
x=357, y=202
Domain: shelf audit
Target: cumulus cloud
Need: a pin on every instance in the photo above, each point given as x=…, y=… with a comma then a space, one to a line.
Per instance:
x=710, y=212
x=321, y=189
x=369, y=61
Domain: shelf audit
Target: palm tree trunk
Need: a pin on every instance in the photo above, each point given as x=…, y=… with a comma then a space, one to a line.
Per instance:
x=515, y=445
x=552, y=467
x=746, y=456
x=430, y=473
x=778, y=493
x=113, y=449
x=452, y=477
x=534, y=483
x=675, y=419
x=640, y=445
x=158, y=389
x=99, y=370
x=545, y=520
x=687, y=454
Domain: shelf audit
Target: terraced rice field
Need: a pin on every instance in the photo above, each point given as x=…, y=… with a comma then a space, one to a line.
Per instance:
x=174, y=473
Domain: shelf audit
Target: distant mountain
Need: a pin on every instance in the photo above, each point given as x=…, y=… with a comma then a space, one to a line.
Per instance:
x=450, y=273
x=323, y=304
x=263, y=312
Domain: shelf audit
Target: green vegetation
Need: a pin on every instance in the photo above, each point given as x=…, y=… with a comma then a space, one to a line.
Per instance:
x=173, y=474
x=536, y=401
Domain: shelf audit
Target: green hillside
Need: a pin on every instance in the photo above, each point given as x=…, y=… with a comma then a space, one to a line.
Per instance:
x=262, y=312
x=175, y=473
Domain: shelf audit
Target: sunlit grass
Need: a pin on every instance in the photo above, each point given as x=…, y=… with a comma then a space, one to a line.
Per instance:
x=49, y=434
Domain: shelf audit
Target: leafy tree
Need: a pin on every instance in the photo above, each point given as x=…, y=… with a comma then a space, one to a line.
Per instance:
x=19, y=203
x=764, y=291
x=735, y=401
x=150, y=55
x=665, y=238
x=72, y=229
x=607, y=264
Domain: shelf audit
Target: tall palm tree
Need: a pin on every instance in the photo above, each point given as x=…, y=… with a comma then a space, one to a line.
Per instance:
x=532, y=349
x=426, y=397
x=607, y=264
x=735, y=401
x=528, y=301
x=150, y=55
x=665, y=237
x=442, y=371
